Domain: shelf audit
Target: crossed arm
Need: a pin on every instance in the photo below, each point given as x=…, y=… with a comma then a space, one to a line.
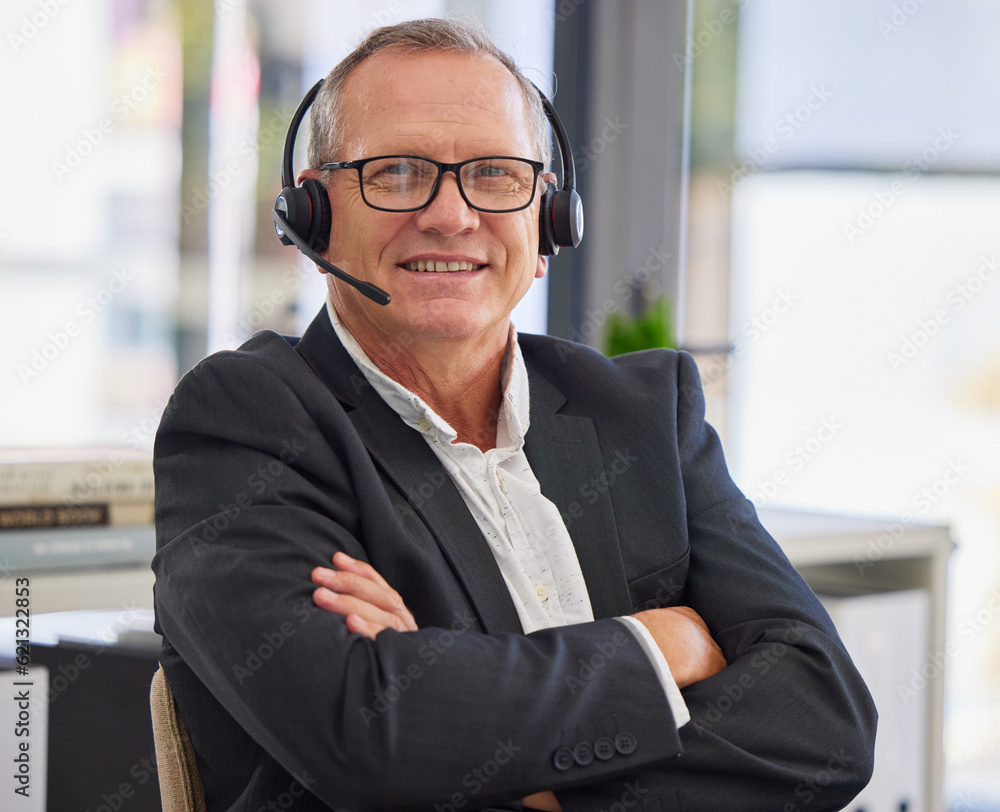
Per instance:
x=324, y=493
x=357, y=592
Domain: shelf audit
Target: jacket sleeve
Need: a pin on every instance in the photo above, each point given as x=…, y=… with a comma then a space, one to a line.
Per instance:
x=251, y=494
x=789, y=724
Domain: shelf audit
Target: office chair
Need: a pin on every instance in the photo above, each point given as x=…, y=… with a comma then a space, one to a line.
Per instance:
x=181, y=789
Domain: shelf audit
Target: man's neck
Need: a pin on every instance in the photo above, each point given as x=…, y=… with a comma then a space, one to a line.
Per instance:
x=459, y=379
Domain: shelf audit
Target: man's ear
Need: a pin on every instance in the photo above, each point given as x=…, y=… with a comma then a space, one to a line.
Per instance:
x=543, y=261
x=543, y=266
x=315, y=174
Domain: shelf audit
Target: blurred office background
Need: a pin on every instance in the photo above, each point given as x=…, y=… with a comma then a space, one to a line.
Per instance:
x=811, y=188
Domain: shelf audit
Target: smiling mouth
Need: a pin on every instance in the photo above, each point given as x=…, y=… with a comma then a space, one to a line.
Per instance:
x=436, y=266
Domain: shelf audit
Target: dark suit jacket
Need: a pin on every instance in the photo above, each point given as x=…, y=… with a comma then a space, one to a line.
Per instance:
x=270, y=458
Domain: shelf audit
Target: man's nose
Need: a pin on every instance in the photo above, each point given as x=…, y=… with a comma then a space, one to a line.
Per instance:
x=448, y=213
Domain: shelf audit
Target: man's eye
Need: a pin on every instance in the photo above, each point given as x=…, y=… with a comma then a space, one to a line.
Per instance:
x=401, y=168
x=491, y=172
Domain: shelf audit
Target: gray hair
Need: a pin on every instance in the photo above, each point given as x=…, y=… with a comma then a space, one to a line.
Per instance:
x=326, y=126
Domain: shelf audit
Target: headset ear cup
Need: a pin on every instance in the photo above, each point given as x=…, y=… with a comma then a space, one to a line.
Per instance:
x=547, y=245
x=567, y=218
x=294, y=205
x=317, y=234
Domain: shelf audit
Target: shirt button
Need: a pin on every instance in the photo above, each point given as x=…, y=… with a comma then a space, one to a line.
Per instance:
x=542, y=592
x=563, y=759
x=424, y=423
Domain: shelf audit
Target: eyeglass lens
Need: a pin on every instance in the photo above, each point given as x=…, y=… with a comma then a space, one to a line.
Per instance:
x=490, y=184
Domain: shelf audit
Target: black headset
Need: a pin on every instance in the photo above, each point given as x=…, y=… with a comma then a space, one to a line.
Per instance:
x=302, y=214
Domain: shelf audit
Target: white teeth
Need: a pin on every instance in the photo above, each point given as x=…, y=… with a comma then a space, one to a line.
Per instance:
x=441, y=267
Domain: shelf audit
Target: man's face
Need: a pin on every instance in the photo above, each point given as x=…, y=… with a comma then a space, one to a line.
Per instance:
x=448, y=107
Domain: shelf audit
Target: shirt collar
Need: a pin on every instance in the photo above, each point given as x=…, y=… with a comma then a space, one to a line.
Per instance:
x=512, y=422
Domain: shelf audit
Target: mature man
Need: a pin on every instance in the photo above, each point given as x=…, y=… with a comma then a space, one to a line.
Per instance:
x=540, y=566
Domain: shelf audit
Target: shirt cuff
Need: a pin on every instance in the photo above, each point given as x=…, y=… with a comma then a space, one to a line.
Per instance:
x=678, y=707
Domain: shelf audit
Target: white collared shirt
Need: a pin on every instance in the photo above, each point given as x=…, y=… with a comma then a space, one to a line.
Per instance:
x=524, y=530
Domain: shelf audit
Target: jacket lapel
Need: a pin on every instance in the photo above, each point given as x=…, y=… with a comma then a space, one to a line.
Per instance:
x=404, y=456
x=564, y=454
x=566, y=458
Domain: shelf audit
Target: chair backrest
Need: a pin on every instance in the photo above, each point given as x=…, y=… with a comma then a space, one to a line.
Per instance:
x=181, y=789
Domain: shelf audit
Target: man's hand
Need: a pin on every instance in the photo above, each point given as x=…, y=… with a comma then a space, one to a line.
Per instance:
x=686, y=644
x=543, y=800
x=355, y=590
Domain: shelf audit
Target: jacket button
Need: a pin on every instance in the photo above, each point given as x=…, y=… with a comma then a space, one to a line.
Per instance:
x=625, y=743
x=604, y=748
x=563, y=759
x=583, y=753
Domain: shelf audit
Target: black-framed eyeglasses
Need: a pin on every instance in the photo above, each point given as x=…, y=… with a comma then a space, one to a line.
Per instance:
x=496, y=183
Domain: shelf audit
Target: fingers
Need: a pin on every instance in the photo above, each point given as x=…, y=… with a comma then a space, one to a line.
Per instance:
x=346, y=604
x=356, y=588
x=342, y=561
x=359, y=584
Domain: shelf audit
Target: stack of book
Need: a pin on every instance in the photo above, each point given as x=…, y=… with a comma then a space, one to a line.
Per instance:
x=73, y=508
